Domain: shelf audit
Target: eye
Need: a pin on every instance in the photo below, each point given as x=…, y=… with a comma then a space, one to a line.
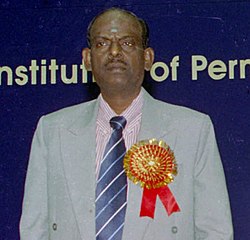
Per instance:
x=128, y=43
x=101, y=44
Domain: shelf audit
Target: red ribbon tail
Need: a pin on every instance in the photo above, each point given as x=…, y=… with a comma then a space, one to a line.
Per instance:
x=149, y=200
x=148, y=203
x=168, y=200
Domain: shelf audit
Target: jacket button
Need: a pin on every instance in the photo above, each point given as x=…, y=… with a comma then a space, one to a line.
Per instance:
x=54, y=226
x=174, y=229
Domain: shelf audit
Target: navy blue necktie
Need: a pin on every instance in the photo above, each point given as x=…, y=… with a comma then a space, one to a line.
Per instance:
x=111, y=189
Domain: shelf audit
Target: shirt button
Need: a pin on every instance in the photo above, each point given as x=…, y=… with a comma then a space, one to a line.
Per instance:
x=54, y=226
x=174, y=229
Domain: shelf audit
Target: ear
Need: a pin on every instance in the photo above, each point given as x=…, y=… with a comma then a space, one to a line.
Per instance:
x=86, y=57
x=148, y=58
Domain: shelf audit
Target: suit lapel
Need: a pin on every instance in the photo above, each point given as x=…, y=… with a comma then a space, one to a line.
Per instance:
x=155, y=124
x=78, y=155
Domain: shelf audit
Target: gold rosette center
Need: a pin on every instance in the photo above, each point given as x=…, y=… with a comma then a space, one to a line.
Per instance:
x=150, y=163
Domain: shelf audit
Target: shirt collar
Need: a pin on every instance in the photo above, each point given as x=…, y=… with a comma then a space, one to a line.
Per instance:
x=105, y=112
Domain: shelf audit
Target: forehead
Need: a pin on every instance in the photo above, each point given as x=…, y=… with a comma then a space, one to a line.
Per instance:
x=116, y=22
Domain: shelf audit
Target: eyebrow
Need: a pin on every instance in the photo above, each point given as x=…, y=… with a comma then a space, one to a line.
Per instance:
x=108, y=38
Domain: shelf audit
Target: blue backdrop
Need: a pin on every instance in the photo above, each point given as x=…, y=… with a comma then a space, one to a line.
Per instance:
x=39, y=37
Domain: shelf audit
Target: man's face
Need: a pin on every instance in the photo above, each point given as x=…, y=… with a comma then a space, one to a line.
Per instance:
x=117, y=58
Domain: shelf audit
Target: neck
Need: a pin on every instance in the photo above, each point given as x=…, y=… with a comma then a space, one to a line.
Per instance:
x=119, y=102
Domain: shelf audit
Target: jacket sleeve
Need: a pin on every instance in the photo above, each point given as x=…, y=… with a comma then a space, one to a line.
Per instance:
x=212, y=209
x=34, y=219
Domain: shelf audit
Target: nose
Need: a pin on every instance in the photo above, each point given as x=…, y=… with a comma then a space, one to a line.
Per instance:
x=115, y=49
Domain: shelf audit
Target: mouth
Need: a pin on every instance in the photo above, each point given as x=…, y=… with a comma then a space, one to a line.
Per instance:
x=116, y=66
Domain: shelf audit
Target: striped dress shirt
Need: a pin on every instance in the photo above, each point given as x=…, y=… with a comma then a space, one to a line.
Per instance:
x=103, y=129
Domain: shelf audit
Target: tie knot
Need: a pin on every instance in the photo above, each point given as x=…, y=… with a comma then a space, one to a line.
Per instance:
x=118, y=122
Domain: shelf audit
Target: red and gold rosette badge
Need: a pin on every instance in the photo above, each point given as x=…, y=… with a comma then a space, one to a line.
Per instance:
x=152, y=164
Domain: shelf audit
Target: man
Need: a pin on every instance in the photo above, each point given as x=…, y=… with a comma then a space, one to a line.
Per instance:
x=68, y=146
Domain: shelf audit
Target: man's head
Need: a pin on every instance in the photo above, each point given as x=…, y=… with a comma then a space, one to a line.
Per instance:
x=118, y=54
x=142, y=23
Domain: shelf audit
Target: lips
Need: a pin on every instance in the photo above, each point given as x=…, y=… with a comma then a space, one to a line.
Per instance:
x=116, y=66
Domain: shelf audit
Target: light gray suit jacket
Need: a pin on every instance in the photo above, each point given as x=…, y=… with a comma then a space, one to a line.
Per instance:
x=60, y=186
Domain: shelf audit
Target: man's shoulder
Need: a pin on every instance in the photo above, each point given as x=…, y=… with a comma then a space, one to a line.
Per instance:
x=180, y=117
x=69, y=114
x=175, y=111
x=182, y=112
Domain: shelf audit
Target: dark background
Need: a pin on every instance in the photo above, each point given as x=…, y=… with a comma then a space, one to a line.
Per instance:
x=56, y=30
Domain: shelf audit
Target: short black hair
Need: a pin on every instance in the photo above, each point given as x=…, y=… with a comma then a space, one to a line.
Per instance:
x=143, y=24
